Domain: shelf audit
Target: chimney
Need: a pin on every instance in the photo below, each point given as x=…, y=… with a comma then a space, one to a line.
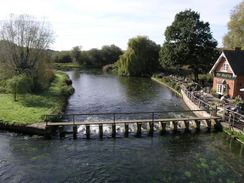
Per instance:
x=237, y=48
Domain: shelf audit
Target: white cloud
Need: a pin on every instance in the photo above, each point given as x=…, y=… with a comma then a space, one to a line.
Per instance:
x=94, y=23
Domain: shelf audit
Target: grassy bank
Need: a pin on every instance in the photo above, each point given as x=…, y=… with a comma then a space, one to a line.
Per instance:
x=65, y=65
x=171, y=85
x=30, y=107
x=234, y=134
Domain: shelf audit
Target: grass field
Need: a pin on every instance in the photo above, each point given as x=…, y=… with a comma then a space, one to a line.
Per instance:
x=29, y=108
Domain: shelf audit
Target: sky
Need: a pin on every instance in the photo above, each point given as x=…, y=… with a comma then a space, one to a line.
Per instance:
x=95, y=23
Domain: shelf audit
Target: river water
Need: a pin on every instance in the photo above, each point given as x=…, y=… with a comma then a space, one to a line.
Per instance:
x=196, y=156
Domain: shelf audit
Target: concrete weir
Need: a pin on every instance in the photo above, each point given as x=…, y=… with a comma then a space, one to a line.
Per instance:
x=161, y=123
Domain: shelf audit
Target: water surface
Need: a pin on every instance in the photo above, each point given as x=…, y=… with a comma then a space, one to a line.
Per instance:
x=173, y=157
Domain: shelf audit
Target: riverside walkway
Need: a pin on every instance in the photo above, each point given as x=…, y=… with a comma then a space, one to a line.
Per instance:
x=144, y=118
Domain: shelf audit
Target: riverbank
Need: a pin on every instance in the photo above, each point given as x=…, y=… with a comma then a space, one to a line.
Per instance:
x=173, y=88
x=232, y=132
x=26, y=114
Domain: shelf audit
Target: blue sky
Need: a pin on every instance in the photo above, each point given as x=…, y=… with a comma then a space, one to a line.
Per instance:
x=94, y=23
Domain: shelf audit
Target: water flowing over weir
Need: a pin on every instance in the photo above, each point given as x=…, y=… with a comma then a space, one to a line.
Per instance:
x=139, y=123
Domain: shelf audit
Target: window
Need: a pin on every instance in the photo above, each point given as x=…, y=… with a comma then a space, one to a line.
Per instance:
x=225, y=67
x=221, y=88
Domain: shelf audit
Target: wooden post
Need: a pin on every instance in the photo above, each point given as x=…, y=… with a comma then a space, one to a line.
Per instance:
x=88, y=131
x=163, y=126
x=75, y=132
x=150, y=128
x=198, y=124
x=209, y=124
x=113, y=130
x=175, y=123
x=224, y=111
x=101, y=130
x=61, y=131
x=138, y=129
x=126, y=129
x=186, y=125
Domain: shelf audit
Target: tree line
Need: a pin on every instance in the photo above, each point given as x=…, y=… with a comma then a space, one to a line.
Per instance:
x=109, y=54
x=25, y=56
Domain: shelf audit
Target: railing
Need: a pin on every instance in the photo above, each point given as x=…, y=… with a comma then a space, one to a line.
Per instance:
x=200, y=103
x=85, y=117
x=234, y=119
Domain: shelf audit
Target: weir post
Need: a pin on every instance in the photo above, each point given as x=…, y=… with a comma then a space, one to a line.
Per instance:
x=113, y=130
x=186, y=125
x=75, y=132
x=175, y=123
x=88, y=131
x=126, y=129
x=209, y=123
x=150, y=128
x=198, y=124
x=163, y=126
x=101, y=131
x=61, y=131
x=138, y=129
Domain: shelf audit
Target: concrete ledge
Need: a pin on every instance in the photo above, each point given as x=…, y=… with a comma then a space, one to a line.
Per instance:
x=35, y=129
x=192, y=106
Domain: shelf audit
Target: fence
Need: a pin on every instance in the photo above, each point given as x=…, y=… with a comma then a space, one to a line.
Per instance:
x=233, y=118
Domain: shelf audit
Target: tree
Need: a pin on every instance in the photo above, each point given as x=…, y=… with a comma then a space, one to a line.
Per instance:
x=62, y=57
x=76, y=53
x=110, y=54
x=235, y=36
x=189, y=42
x=24, y=43
x=141, y=57
x=20, y=84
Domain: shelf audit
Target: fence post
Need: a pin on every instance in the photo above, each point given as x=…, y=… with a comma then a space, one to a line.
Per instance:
x=224, y=111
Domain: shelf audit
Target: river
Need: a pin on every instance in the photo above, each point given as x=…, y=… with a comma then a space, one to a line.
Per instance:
x=173, y=157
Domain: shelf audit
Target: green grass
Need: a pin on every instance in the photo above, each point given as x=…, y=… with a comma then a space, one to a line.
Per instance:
x=65, y=65
x=30, y=108
x=235, y=134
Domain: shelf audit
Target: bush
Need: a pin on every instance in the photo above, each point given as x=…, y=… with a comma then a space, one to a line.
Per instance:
x=108, y=68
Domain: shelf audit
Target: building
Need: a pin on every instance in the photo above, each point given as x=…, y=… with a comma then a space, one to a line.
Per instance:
x=229, y=73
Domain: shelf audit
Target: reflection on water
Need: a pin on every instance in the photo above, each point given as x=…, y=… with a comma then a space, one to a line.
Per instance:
x=96, y=92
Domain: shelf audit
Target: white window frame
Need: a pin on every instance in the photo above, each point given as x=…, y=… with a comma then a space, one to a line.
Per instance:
x=225, y=67
x=221, y=88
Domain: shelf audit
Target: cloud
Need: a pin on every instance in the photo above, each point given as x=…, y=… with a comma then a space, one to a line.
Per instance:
x=95, y=23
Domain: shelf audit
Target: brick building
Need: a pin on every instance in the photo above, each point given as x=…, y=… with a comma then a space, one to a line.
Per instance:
x=229, y=73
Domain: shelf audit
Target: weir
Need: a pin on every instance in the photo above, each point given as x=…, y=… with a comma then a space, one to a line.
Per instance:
x=156, y=119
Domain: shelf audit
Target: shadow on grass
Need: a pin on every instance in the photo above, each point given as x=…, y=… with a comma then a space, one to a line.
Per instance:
x=37, y=100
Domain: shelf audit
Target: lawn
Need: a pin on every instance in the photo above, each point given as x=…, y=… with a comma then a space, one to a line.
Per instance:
x=30, y=108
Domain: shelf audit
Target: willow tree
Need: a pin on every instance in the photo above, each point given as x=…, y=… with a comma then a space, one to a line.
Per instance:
x=24, y=42
x=235, y=35
x=141, y=57
x=189, y=42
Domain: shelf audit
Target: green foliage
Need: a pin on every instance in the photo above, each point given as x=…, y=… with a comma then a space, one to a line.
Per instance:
x=100, y=57
x=20, y=84
x=189, y=42
x=235, y=36
x=141, y=57
x=109, y=68
x=31, y=109
x=62, y=57
x=76, y=53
